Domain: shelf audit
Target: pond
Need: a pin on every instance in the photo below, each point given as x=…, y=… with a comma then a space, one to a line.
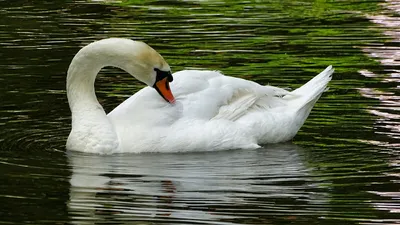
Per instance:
x=341, y=168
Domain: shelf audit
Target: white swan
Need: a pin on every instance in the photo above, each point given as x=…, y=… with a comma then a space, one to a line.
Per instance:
x=210, y=111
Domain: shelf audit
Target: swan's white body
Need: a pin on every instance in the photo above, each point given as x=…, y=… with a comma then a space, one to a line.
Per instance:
x=211, y=112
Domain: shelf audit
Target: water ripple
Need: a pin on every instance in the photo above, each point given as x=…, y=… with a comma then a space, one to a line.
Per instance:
x=342, y=169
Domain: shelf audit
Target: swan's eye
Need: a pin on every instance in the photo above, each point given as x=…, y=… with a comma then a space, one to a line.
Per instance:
x=163, y=74
x=170, y=77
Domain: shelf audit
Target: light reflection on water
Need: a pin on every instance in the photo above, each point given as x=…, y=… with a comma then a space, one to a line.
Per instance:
x=388, y=121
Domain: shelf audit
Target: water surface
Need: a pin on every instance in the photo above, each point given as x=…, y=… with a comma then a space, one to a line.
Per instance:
x=342, y=167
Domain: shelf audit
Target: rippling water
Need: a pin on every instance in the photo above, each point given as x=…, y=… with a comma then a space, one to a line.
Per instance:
x=342, y=167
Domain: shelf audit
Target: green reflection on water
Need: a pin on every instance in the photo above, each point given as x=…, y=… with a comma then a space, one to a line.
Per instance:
x=282, y=43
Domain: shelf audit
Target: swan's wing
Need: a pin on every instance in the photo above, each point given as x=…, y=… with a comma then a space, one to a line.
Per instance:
x=243, y=101
x=211, y=95
x=200, y=95
x=212, y=111
x=237, y=106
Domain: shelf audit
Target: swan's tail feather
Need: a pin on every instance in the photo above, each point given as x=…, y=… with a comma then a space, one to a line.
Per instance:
x=309, y=93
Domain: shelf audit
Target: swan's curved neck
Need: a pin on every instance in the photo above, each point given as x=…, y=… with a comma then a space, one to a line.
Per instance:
x=81, y=76
x=92, y=131
x=84, y=68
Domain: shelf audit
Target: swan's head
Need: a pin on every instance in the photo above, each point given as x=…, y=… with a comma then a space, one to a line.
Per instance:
x=150, y=67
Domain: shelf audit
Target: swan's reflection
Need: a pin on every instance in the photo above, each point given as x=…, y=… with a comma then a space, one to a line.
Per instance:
x=223, y=186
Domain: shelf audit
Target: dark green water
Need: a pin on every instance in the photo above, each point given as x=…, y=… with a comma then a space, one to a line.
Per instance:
x=342, y=167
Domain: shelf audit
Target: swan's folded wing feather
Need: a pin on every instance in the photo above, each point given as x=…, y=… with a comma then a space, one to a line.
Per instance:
x=209, y=94
x=241, y=101
x=256, y=98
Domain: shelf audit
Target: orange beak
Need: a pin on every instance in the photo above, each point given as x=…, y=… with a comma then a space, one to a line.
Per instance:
x=162, y=87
